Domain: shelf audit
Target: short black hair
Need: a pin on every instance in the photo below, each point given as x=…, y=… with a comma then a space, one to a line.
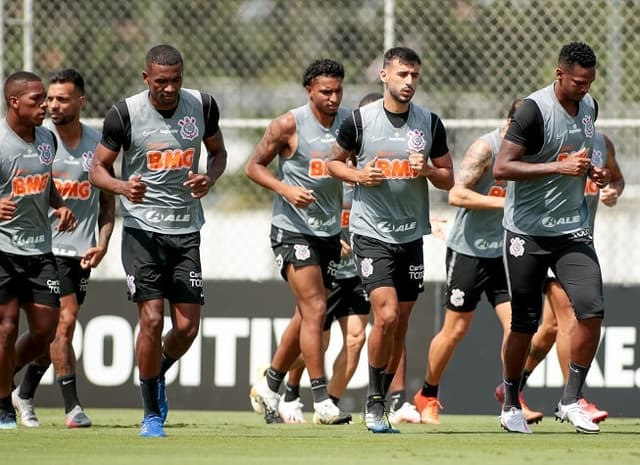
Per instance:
x=404, y=54
x=577, y=53
x=68, y=75
x=322, y=67
x=19, y=78
x=514, y=107
x=370, y=97
x=163, y=54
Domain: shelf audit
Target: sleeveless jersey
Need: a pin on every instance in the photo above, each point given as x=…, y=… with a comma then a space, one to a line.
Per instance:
x=307, y=168
x=163, y=151
x=592, y=191
x=347, y=267
x=479, y=233
x=553, y=205
x=71, y=175
x=396, y=211
x=25, y=172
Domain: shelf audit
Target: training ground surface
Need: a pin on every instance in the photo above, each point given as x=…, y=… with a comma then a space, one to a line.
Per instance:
x=243, y=438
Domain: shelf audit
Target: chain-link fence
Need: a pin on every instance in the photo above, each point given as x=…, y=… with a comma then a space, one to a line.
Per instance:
x=477, y=55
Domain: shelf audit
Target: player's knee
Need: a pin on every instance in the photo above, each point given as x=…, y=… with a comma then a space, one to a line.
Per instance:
x=526, y=324
x=388, y=320
x=355, y=342
x=188, y=332
x=8, y=331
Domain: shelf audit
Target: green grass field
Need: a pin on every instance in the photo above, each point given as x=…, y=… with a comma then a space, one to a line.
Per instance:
x=243, y=438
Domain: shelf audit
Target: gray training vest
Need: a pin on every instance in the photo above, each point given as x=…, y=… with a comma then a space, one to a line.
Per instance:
x=25, y=172
x=397, y=210
x=475, y=232
x=71, y=175
x=553, y=205
x=591, y=190
x=307, y=168
x=163, y=151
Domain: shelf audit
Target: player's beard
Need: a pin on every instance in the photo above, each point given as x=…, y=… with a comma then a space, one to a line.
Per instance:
x=63, y=120
x=398, y=97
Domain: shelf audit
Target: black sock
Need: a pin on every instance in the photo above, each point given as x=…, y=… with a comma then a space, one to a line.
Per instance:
x=398, y=399
x=31, y=380
x=291, y=392
x=525, y=376
x=319, y=389
x=274, y=378
x=386, y=381
x=577, y=377
x=429, y=390
x=166, y=362
x=68, y=389
x=376, y=386
x=149, y=389
x=511, y=394
x=334, y=399
x=6, y=405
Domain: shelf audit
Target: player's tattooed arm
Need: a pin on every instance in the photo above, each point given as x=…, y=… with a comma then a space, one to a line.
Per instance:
x=475, y=163
x=477, y=160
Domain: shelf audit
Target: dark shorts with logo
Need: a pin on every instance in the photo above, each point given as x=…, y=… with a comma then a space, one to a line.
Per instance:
x=468, y=277
x=347, y=297
x=382, y=264
x=73, y=278
x=574, y=263
x=303, y=250
x=162, y=266
x=30, y=278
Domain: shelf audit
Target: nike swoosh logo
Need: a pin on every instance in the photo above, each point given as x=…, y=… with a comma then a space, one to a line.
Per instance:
x=148, y=132
x=67, y=381
x=376, y=139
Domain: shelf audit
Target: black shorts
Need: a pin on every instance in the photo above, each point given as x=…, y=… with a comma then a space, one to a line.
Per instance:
x=347, y=297
x=73, y=278
x=574, y=262
x=162, y=266
x=382, y=264
x=30, y=278
x=302, y=250
x=468, y=277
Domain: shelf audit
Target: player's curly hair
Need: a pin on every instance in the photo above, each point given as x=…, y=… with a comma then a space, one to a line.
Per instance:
x=577, y=53
x=322, y=67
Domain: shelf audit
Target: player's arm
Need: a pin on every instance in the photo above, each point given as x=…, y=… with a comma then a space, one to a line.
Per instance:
x=525, y=136
x=440, y=170
x=279, y=139
x=101, y=174
x=339, y=167
x=475, y=163
x=216, y=157
x=200, y=184
x=345, y=149
x=610, y=193
x=106, y=220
